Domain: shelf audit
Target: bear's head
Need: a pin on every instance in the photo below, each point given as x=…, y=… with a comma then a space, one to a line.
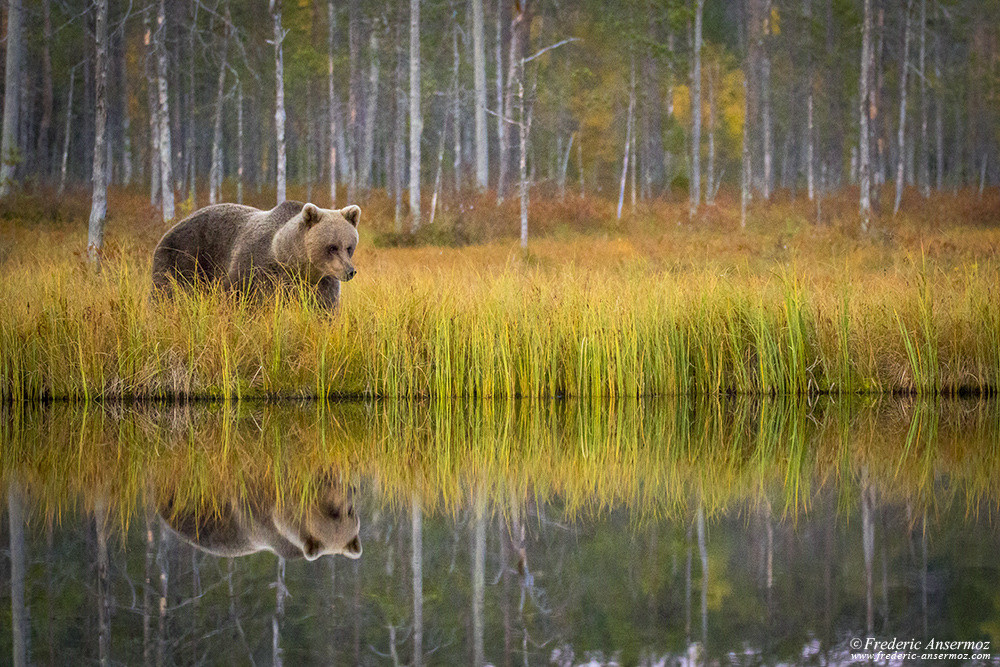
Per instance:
x=328, y=526
x=329, y=237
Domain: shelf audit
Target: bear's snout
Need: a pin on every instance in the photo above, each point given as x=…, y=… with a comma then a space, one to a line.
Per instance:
x=349, y=273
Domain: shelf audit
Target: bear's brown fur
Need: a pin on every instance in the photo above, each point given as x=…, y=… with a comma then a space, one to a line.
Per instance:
x=241, y=246
x=326, y=526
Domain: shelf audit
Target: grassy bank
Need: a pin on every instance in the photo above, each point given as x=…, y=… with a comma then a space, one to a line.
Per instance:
x=783, y=307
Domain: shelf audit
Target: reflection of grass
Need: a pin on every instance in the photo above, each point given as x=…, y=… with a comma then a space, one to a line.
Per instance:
x=655, y=457
x=640, y=311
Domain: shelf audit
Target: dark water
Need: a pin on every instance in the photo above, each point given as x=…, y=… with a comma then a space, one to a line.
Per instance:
x=727, y=532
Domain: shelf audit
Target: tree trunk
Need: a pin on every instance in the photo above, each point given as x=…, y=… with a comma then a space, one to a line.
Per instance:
x=745, y=175
x=163, y=562
x=479, y=68
x=368, y=149
x=810, y=121
x=331, y=102
x=67, y=134
x=417, y=570
x=628, y=138
x=696, y=113
x=279, y=101
x=901, y=132
x=924, y=156
x=163, y=112
x=45, y=124
x=18, y=575
x=765, y=96
x=866, y=110
x=938, y=105
x=147, y=591
x=564, y=167
x=189, y=154
x=10, y=153
x=99, y=196
x=710, y=185
x=126, y=122
x=503, y=147
x=399, y=129
x=456, y=115
x=355, y=90
x=239, y=142
x=416, y=122
x=703, y=554
x=154, y=118
x=215, y=177
x=524, y=126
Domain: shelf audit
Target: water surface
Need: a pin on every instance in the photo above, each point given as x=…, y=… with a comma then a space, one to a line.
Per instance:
x=760, y=531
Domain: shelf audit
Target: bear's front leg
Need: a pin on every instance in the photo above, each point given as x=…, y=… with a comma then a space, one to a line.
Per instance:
x=328, y=291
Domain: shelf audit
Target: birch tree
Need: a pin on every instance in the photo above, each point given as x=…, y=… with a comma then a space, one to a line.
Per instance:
x=417, y=570
x=368, y=146
x=479, y=70
x=699, y=6
x=331, y=103
x=865, y=103
x=215, y=175
x=904, y=67
x=279, y=101
x=10, y=152
x=99, y=196
x=925, y=177
x=163, y=114
x=628, y=137
x=64, y=163
x=416, y=122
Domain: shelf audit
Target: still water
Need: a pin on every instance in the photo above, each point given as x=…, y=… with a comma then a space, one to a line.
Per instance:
x=671, y=532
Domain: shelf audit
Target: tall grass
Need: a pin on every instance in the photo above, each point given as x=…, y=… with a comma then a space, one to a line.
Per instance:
x=782, y=309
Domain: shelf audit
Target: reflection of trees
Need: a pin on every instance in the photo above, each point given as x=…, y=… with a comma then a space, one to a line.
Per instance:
x=417, y=568
x=478, y=575
x=18, y=610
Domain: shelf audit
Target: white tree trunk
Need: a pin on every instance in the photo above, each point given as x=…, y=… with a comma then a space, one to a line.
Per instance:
x=524, y=124
x=99, y=196
x=279, y=614
x=367, y=152
x=67, y=134
x=696, y=113
x=163, y=112
x=279, y=101
x=901, y=131
x=628, y=138
x=925, y=177
x=745, y=175
x=331, y=103
x=399, y=134
x=479, y=67
x=564, y=167
x=215, y=176
x=810, y=145
x=416, y=122
x=864, y=96
x=154, y=118
x=239, y=142
x=502, y=142
x=456, y=116
x=10, y=152
x=478, y=577
x=710, y=186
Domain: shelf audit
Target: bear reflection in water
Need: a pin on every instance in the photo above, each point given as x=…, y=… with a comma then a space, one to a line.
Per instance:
x=237, y=527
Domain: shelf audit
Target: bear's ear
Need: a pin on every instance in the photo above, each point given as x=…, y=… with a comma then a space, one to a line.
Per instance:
x=352, y=214
x=310, y=215
x=353, y=549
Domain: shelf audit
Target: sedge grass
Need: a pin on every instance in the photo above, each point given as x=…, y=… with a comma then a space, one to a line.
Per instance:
x=696, y=311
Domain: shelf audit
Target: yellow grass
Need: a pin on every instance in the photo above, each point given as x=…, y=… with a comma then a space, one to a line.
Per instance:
x=645, y=307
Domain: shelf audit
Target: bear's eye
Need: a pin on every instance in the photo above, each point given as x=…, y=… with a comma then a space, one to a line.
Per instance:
x=333, y=512
x=333, y=250
x=350, y=251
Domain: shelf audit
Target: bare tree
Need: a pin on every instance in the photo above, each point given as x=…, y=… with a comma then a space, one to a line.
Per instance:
x=99, y=197
x=101, y=528
x=9, y=147
x=163, y=113
x=710, y=181
x=239, y=142
x=368, y=146
x=925, y=177
x=901, y=133
x=64, y=163
x=279, y=100
x=866, y=109
x=699, y=6
x=416, y=122
x=215, y=175
x=331, y=102
x=45, y=124
x=479, y=69
x=628, y=137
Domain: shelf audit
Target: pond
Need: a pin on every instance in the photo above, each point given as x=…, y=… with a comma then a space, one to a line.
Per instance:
x=674, y=531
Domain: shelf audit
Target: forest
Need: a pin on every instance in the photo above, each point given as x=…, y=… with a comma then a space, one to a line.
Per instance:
x=427, y=104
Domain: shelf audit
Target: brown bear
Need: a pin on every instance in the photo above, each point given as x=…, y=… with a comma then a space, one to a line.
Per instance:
x=242, y=247
x=326, y=526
